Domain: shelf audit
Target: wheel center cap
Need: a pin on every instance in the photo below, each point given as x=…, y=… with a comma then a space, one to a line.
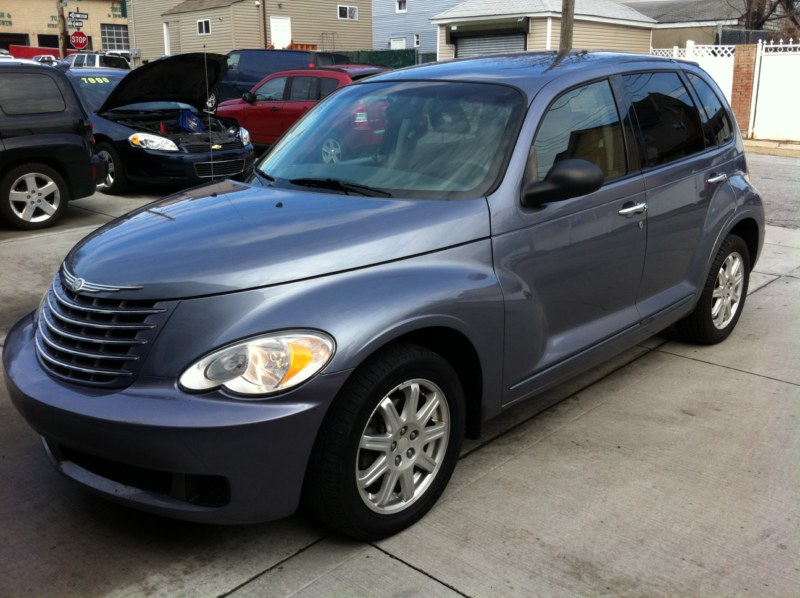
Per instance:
x=402, y=444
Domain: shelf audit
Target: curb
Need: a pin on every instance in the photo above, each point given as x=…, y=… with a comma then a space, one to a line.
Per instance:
x=773, y=148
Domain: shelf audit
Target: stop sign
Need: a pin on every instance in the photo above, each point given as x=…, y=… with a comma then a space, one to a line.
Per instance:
x=79, y=40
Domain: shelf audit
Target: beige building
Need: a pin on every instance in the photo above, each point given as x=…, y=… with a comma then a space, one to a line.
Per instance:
x=479, y=27
x=177, y=26
x=35, y=23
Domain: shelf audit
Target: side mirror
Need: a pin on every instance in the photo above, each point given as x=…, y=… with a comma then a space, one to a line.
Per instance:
x=249, y=97
x=565, y=180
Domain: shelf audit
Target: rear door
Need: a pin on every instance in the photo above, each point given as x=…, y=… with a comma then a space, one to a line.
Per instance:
x=303, y=93
x=684, y=176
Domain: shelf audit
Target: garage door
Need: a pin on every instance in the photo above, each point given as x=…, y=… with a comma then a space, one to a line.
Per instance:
x=492, y=44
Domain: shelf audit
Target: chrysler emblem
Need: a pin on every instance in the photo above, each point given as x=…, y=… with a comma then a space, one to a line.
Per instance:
x=77, y=284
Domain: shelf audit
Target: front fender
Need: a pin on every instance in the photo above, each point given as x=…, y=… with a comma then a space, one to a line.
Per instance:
x=362, y=309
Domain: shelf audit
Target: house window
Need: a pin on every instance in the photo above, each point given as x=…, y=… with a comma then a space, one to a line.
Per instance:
x=400, y=6
x=348, y=13
x=204, y=27
x=416, y=40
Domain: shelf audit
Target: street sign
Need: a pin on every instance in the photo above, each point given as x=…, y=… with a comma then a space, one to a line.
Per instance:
x=78, y=15
x=76, y=24
x=79, y=40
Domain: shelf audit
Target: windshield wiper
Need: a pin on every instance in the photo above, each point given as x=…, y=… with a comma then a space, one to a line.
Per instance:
x=343, y=186
x=263, y=175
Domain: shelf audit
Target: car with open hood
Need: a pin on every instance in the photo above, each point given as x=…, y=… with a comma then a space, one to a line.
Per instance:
x=328, y=331
x=150, y=126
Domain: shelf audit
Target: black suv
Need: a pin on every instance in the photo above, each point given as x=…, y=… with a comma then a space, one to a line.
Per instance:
x=248, y=67
x=45, y=146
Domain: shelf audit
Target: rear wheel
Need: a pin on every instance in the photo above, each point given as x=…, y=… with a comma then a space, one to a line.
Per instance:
x=116, y=180
x=723, y=297
x=33, y=196
x=389, y=444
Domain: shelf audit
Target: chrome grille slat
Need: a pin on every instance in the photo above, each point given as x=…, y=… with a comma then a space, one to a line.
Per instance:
x=54, y=309
x=100, y=310
x=79, y=353
x=88, y=336
x=84, y=339
x=44, y=355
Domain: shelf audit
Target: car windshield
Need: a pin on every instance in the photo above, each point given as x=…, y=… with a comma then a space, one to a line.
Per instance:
x=431, y=140
x=95, y=89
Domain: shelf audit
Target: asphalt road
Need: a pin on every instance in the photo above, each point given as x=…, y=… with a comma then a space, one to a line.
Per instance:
x=669, y=471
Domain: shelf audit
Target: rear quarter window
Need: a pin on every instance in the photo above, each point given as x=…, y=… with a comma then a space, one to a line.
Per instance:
x=716, y=122
x=30, y=93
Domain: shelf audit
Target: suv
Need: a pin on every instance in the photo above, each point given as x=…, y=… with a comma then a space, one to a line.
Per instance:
x=248, y=67
x=277, y=101
x=329, y=331
x=45, y=146
x=93, y=60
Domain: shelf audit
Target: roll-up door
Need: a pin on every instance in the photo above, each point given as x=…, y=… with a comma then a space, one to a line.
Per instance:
x=490, y=44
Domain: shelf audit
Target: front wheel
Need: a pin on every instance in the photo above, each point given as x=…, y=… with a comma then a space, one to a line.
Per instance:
x=116, y=180
x=723, y=296
x=389, y=444
x=33, y=196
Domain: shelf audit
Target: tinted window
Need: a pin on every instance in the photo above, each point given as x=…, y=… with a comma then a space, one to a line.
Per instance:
x=80, y=60
x=582, y=123
x=29, y=93
x=95, y=90
x=669, y=122
x=302, y=89
x=272, y=90
x=716, y=123
x=326, y=86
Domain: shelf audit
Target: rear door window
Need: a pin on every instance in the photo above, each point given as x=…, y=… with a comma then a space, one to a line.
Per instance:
x=29, y=93
x=716, y=122
x=304, y=89
x=583, y=123
x=669, y=121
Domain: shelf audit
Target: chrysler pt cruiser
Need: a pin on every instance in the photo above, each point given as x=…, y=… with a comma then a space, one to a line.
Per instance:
x=327, y=332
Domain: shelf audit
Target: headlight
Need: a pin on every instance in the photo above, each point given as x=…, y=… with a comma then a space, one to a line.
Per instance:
x=154, y=142
x=262, y=365
x=244, y=134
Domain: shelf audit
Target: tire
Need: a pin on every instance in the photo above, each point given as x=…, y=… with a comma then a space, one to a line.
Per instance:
x=332, y=149
x=33, y=196
x=116, y=180
x=723, y=296
x=379, y=464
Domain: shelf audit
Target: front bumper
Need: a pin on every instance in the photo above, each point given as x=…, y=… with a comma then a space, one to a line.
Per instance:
x=192, y=168
x=161, y=450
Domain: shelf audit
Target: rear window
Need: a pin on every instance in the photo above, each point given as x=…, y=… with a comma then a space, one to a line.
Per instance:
x=30, y=93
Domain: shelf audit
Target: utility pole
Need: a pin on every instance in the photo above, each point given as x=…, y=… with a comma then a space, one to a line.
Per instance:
x=567, y=22
x=63, y=36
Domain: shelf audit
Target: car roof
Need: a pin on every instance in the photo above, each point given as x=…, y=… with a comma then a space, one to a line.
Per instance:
x=354, y=71
x=528, y=71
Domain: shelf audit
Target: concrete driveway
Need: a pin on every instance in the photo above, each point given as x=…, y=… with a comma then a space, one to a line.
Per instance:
x=670, y=471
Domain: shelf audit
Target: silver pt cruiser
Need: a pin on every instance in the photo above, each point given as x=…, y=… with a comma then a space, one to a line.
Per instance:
x=330, y=329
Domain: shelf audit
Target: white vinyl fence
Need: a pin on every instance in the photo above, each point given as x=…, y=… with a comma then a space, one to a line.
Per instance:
x=774, y=112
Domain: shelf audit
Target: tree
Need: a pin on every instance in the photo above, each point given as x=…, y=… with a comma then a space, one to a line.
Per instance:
x=757, y=14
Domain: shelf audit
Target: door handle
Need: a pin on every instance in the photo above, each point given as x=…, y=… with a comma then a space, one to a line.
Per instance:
x=275, y=108
x=633, y=208
x=716, y=178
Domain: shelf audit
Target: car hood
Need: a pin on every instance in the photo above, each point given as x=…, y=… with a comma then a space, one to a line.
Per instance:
x=229, y=236
x=187, y=78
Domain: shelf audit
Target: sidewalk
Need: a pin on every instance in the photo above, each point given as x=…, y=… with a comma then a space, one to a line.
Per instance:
x=773, y=148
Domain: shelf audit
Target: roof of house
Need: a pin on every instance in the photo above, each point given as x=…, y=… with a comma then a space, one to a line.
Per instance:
x=685, y=11
x=605, y=9
x=195, y=5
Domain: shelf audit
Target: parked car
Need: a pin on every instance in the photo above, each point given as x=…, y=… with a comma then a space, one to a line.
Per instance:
x=92, y=60
x=277, y=101
x=149, y=127
x=46, y=59
x=248, y=67
x=45, y=146
x=328, y=331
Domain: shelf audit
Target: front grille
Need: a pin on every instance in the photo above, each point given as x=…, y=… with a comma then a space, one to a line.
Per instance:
x=92, y=340
x=217, y=147
x=207, y=170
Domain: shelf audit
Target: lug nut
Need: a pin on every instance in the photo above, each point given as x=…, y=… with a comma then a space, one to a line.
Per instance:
x=414, y=434
x=398, y=460
x=410, y=453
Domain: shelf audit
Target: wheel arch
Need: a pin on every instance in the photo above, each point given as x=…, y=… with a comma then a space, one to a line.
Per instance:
x=748, y=231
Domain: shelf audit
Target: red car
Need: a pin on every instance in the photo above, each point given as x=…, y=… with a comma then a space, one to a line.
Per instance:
x=277, y=101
